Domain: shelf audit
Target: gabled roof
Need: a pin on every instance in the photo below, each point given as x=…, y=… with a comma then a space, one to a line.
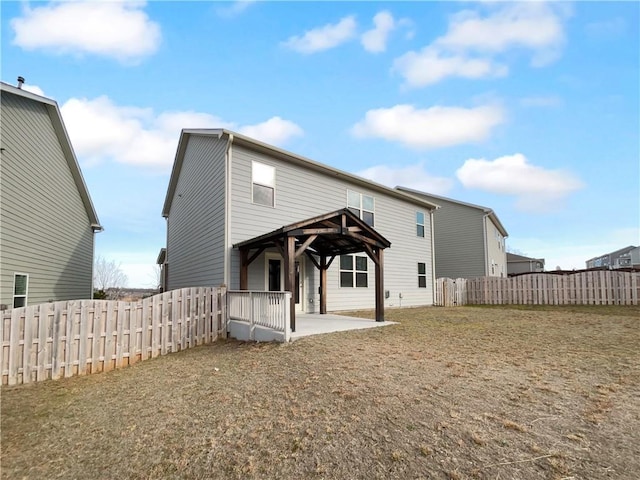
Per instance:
x=512, y=257
x=285, y=155
x=615, y=253
x=487, y=211
x=335, y=233
x=65, y=144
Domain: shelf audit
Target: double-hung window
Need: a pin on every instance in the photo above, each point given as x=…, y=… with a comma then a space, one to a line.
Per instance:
x=20, y=287
x=422, y=275
x=362, y=205
x=420, y=224
x=263, y=179
x=353, y=271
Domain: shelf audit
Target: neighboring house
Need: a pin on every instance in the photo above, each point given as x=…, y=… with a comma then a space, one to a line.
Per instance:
x=624, y=258
x=233, y=202
x=46, y=215
x=517, y=264
x=469, y=239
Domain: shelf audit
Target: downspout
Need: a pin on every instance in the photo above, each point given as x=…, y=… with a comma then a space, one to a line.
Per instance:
x=433, y=259
x=227, y=213
x=486, y=246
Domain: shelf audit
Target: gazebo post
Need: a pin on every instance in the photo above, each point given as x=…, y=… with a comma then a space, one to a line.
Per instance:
x=244, y=269
x=379, y=284
x=290, y=275
x=323, y=284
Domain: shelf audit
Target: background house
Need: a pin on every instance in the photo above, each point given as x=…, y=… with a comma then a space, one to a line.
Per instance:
x=48, y=220
x=520, y=264
x=227, y=188
x=624, y=258
x=469, y=239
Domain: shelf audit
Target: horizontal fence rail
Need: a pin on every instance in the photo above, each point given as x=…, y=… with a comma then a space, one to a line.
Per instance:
x=604, y=287
x=265, y=309
x=62, y=339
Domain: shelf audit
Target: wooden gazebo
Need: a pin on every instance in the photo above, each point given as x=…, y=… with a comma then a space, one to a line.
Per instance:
x=321, y=239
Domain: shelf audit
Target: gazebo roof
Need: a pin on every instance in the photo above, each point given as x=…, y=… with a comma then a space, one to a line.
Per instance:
x=335, y=233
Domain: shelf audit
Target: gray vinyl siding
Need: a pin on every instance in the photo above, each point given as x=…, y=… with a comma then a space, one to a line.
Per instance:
x=459, y=241
x=302, y=193
x=45, y=231
x=196, y=221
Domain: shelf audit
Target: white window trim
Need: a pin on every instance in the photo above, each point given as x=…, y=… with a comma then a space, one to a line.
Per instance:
x=353, y=271
x=422, y=274
x=424, y=227
x=263, y=185
x=361, y=208
x=13, y=290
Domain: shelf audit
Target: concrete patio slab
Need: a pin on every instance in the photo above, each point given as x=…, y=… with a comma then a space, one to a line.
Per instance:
x=314, y=324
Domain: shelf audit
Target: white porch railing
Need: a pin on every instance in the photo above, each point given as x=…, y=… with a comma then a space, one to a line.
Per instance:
x=260, y=309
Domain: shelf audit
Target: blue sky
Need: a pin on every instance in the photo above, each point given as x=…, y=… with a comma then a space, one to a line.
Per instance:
x=531, y=109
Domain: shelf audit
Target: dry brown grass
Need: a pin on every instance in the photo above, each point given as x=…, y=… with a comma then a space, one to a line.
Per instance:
x=448, y=393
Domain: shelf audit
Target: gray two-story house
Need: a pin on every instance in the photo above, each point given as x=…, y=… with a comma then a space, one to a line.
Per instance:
x=46, y=215
x=518, y=264
x=469, y=239
x=233, y=203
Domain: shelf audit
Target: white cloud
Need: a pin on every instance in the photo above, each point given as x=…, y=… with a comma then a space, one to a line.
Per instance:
x=323, y=38
x=431, y=65
x=100, y=130
x=534, y=25
x=411, y=176
x=33, y=89
x=236, y=8
x=472, y=42
x=431, y=128
x=120, y=30
x=375, y=40
x=535, y=188
x=275, y=130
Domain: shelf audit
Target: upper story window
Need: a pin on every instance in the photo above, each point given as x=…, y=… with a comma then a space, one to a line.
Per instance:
x=420, y=224
x=20, y=287
x=263, y=178
x=362, y=205
x=353, y=271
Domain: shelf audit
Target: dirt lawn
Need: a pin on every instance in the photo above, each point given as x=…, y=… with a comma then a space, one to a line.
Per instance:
x=453, y=393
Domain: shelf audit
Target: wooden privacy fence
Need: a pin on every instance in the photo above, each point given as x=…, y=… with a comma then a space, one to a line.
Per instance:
x=63, y=339
x=604, y=287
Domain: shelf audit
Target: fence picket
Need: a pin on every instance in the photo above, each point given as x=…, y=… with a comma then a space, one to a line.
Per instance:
x=79, y=337
x=582, y=288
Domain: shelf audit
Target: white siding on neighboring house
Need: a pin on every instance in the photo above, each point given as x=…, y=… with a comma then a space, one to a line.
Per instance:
x=195, y=225
x=46, y=230
x=496, y=254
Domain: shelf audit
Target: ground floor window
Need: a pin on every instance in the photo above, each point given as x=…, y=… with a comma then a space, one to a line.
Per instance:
x=422, y=275
x=20, y=287
x=353, y=271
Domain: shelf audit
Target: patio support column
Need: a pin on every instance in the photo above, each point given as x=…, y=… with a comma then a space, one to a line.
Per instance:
x=244, y=269
x=379, y=284
x=290, y=275
x=323, y=284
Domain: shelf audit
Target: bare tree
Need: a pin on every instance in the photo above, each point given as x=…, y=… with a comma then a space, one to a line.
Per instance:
x=108, y=278
x=155, y=277
x=515, y=251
